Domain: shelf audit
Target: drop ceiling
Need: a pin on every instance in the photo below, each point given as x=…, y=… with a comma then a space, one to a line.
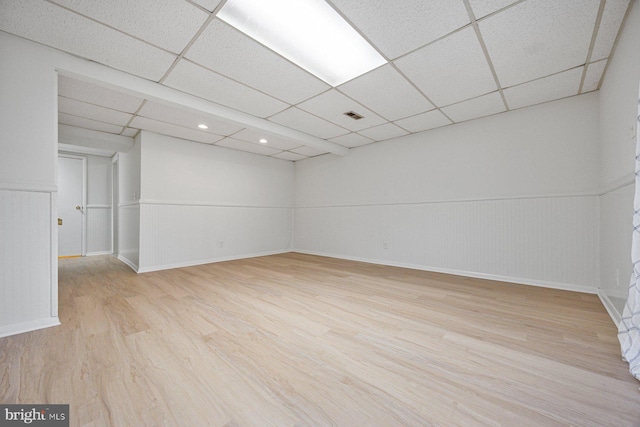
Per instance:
x=447, y=61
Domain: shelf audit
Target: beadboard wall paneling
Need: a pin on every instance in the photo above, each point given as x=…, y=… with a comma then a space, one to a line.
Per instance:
x=548, y=241
x=99, y=229
x=129, y=234
x=179, y=234
x=26, y=252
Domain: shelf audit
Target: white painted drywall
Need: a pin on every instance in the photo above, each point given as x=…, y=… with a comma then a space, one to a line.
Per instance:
x=511, y=197
x=28, y=240
x=202, y=203
x=129, y=207
x=618, y=111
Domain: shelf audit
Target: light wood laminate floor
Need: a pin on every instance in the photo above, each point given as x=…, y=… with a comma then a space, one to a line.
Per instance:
x=299, y=340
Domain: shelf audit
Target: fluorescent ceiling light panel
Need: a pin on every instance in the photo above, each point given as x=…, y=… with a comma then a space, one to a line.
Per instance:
x=309, y=33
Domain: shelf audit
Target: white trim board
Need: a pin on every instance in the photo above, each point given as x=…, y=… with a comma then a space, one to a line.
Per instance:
x=495, y=277
x=616, y=317
x=33, y=325
x=129, y=263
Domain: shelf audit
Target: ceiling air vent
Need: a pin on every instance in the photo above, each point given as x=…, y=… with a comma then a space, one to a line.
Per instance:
x=353, y=115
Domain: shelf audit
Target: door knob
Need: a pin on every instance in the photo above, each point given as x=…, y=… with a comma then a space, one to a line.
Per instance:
x=78, y=208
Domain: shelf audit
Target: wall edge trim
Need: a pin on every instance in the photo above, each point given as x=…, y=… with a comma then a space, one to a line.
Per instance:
x=496, y=277
x=616, y=317
x=33, y=187
x=33, y=325
x=133, y=266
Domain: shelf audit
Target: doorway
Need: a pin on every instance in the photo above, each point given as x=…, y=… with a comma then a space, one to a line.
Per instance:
x=71, y=205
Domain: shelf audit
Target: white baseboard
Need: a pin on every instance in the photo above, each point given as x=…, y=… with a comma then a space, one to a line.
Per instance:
x=129, y=263
x=498, y=278
x=99, y=253
x=610, y=307
x=34, y=325
x=209, y=261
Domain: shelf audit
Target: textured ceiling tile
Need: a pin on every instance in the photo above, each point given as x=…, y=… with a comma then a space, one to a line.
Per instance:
x=382, y=132
x=549, y=88
x=94, y=112
x=286, y=155
x=539, y=37
x=351, y=140
x=483, y=8
x=191, y=78
x=81, y=122
x=254, y=136
x=97, y=95
x=227, y=51
x=614, y=11
x=425, y=121
x=386, y=92
x=173, y=130
x=210, y=5
x=485, y=105
x=308, y=123
x=332, y=105
x=130, y=132
x=451, y=69
x=59, y=28
x=594, y=75
x=168, y=24
x=308, y=151
x=400, y=27
x=247, y=146
x=188, y=119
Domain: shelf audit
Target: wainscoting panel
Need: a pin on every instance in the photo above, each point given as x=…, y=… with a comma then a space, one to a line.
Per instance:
x=129, y=234
x=27, y=253
x=175, y=235
x=98, y=229
x=548, y=241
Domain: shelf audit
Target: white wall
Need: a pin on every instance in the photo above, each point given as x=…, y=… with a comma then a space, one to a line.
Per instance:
x=99, y=202
x=129, y=165
x=28, y=240
x=512, y=197
x=618, y=111
x=202, y=203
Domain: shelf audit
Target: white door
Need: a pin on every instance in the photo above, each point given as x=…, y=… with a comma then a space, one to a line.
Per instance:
x=70, y=206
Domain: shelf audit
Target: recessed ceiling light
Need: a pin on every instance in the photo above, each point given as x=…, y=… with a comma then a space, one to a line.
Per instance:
x=263, y=141
x=203, y=126
x=310, y=33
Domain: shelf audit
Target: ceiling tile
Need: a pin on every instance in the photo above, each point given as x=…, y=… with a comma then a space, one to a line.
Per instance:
x=42, y=22
x=332, y=105
x=308, y=151
x=425, y=121
x=351, y=140
x=400, y=27
x=482, y=8
x=382, y=132
x=191, y=78
x=286, y=155
x=94, y=112
x=227, y=51
x=614, y=11
x=174, y=130
x=523, y=41
x=97, y=95
x=451, y=69
x=247, y=146
x=485, y=105
x=81, y=122
x=593, y=76
x=388, y=93
x=274, y=141
x=210, y=5
x=166, y=24
x=308, y=123
x=130, y=132
x=187, y=119
x=549, y=88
